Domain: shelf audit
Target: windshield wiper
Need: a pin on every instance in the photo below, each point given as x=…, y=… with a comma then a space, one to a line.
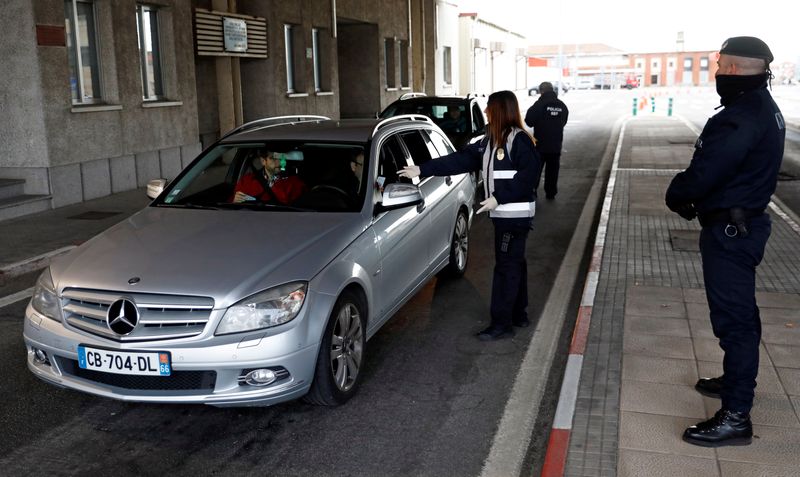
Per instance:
x=260, y=206
x=188, y=206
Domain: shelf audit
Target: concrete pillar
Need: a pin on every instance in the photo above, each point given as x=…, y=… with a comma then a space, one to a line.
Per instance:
x=229, y=80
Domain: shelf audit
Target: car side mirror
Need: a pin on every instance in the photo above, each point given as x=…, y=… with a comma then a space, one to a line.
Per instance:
x=155, y=187
x=398, y=195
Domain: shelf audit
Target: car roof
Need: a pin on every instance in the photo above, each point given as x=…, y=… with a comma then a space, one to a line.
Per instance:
x=343, y=130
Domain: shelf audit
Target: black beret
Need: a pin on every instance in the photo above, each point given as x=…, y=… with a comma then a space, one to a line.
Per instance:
x=747, y=46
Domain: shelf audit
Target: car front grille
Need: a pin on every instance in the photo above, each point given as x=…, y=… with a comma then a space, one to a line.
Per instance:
x=161, y=317
x=177, y=381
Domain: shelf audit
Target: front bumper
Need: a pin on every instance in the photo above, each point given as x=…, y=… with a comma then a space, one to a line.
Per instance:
x=215, y=365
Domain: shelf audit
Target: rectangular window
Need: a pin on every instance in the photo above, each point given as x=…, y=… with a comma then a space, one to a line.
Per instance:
x=388, y=53
x=317, y=59
x=447, y=66
x=84, y=65
x=291, y=76
x=149, y=52
x=703, y=64
x=687, y=64
x=404, y=76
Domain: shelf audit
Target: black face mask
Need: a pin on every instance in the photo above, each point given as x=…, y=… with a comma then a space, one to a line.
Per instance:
x=729, y=87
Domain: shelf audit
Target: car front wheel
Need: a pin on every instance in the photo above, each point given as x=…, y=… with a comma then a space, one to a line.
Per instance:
x=341, y=355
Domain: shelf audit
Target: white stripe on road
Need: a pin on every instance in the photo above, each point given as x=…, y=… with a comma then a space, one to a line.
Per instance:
x=569, y=393
x=19, y=296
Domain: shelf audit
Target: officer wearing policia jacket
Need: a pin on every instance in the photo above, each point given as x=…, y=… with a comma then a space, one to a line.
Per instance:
x=728, y=185
x=512, y=167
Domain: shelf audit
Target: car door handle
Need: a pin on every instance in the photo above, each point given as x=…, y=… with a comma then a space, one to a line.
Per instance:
x=448, y=180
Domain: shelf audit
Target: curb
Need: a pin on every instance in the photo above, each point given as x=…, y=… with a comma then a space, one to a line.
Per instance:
x=555, y=458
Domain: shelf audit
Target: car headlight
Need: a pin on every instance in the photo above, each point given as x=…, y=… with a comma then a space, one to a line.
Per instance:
x=44, y=299
x=265, y=309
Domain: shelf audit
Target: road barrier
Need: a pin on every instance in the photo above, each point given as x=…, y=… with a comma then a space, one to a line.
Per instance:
x=641, y=104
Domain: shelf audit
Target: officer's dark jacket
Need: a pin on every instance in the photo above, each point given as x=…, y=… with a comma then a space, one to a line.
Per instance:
x=512, y=180
x=736, y=158
x=547, y=117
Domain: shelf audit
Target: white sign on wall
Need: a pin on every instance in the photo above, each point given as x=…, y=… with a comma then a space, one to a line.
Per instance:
x=235, y=32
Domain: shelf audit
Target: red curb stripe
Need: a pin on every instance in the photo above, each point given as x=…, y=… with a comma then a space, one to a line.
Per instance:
x=556, y=457
x=581, y=332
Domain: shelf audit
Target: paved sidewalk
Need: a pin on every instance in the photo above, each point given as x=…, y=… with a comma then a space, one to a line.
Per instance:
x=650, y=338
x=27, y=243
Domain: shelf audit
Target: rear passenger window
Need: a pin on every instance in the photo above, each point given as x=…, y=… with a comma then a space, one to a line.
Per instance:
x=441, y=144
x=419, y=147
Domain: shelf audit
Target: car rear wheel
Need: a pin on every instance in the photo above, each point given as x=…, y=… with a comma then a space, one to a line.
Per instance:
x=341, y=355
x=459, y=247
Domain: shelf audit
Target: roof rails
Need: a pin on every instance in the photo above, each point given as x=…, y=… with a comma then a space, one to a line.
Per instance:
x=401, y=117
x=475, y=95
x=412, y=95
x=274, y=121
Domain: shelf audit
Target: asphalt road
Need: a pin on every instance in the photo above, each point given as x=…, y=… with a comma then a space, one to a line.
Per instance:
x=431, y=398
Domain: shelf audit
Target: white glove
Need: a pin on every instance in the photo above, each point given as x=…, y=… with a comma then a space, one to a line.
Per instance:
x=488, y=204
x=409, y=172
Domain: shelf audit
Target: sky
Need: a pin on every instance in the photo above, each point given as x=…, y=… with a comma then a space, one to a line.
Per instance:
x=640, y=26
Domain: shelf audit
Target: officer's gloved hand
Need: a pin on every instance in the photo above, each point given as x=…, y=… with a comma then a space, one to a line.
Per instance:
x=409, y=172
x=488, y=204
x=686, y=211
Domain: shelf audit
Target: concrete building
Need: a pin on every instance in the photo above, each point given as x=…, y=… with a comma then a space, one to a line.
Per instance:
x=687, y=68
x=492, y=57
x=100, y=96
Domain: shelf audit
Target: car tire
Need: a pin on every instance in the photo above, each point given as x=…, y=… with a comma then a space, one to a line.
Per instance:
x=337, y=373
x=459, y=247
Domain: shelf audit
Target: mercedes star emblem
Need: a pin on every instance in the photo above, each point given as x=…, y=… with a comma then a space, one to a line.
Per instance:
x=122, y=317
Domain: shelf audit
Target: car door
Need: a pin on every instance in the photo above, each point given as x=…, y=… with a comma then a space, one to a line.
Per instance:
x=401, y=234
x=439, y=204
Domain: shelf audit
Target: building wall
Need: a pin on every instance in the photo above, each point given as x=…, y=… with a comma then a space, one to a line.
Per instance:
x=698, y=75
x=447, y=36
x=492, y=57
x=80, y=152
x=83, y=151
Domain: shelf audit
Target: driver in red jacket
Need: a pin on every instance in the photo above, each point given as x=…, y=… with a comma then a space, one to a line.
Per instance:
x=267, y=184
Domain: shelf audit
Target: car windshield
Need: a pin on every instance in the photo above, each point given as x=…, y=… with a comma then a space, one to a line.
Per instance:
x=274, y=176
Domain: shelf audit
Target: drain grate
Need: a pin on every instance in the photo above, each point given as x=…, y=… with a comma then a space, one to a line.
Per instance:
x=94, y=215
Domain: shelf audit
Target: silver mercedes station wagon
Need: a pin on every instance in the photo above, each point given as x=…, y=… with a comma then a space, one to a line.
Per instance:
x=257, y=275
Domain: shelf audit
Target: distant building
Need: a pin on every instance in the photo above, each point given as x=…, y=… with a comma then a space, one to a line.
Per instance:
x=612, y=68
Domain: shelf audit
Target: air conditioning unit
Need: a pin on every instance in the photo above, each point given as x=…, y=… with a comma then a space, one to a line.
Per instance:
x=498, y=46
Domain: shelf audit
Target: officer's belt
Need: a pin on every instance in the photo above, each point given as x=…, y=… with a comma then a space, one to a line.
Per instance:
x=724, y=216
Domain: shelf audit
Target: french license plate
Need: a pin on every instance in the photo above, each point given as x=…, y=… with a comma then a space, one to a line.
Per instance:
x=142, y=363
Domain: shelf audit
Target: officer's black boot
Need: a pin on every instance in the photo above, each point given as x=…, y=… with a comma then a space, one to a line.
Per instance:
x=710, y=387
x=726, y=428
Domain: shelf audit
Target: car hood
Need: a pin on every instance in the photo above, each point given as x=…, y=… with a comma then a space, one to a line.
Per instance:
x=224, y=254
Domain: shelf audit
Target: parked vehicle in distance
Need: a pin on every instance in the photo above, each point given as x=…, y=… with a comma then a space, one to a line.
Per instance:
x=460, y=117
x=585, y=83
x=558, y=86
x=200, y=299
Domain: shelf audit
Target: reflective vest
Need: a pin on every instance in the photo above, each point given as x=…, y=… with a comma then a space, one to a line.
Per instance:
x=497, y=167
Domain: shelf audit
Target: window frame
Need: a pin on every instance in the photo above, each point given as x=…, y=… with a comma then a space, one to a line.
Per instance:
x=73, y=34
x=389, y=62
x=289, y=49
x=447, y=65
x=156, y=44
x=405, y=77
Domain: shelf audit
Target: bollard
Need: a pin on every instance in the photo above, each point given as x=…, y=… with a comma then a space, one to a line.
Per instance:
x=669, y=110
x=652, y=104
x=635, y=100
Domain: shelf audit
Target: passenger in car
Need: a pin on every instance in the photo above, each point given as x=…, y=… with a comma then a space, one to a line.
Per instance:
x=268, y=184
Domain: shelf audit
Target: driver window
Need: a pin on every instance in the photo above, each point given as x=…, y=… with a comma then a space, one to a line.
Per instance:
x=477, y=118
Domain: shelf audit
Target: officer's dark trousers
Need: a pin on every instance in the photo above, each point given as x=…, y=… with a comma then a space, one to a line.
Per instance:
x=552, y=163
x=510, y=281
x=729, y=270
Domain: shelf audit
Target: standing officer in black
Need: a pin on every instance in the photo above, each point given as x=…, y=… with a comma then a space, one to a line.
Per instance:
x=547, y=117
x=728, y=185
